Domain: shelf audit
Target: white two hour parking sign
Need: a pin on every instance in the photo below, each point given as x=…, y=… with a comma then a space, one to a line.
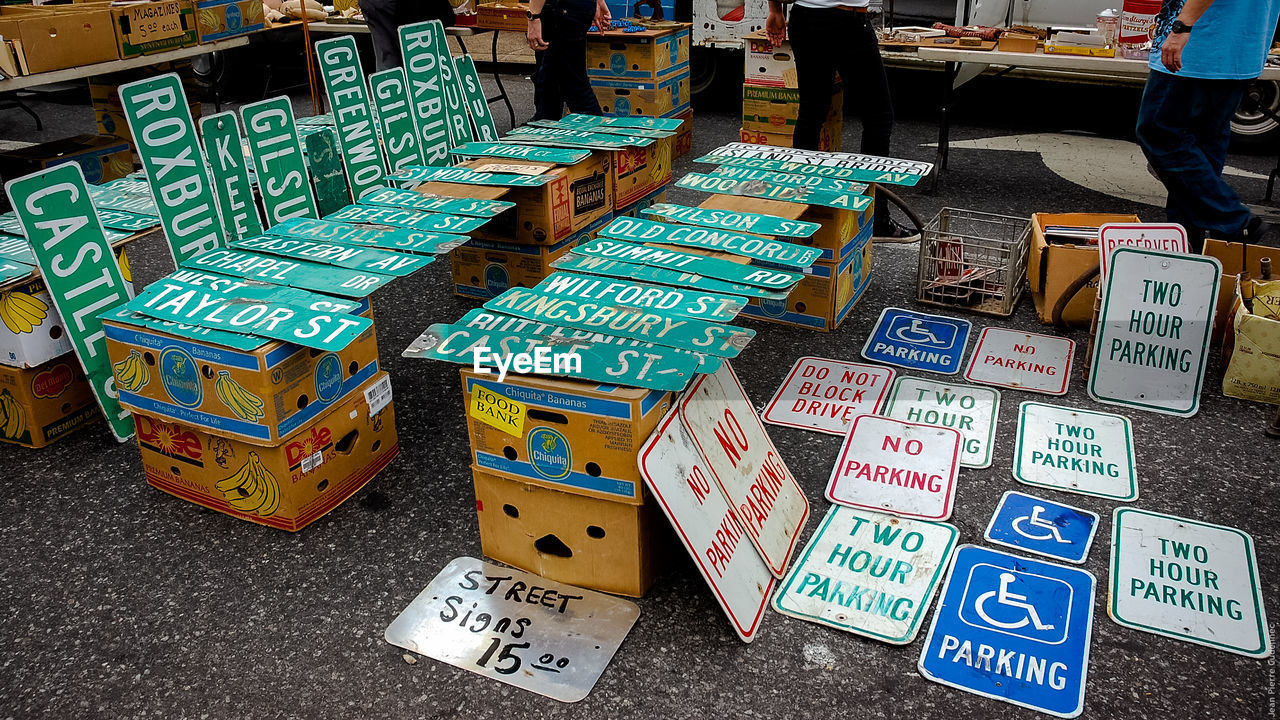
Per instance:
x=897, y=467
x=1075, y=450
x=1022, y=361
x=971, y=410
x=826, y=395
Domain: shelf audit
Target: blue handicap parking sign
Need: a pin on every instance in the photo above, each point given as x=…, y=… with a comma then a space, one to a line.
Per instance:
x=1013, y=629
x=918, y=341
x=1043, y=527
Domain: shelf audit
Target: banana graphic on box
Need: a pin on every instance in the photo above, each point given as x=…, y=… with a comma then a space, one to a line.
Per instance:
x=243, y=403
x=15, y=419
x=131, y=373
x=21, y=312
x=252, y=489
x=126, y=272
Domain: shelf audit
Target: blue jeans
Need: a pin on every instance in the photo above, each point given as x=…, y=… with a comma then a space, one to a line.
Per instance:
x=1184, y=127
x=561, y=75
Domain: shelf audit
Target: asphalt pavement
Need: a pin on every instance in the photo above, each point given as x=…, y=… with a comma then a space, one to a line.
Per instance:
x=122, y=601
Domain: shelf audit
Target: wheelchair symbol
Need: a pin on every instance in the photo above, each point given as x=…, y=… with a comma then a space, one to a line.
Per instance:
x=1048, y=531
x=919, y=333
x=1005, y=597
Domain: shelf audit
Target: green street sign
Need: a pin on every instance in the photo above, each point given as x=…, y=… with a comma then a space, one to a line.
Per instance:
x=560, y=156
x=390, y=93
x=574, y=138
x=605, y=129
x=640, y=230
x=769, y=191
x=353, y=119
x=647, y=123
x=277, y=160
x=407, y=218
x=324, y=161
x=234, y=306
x=454, y=103
x=436, y=204
x=730, y=220
x=712, y=307
x=343, y=256
x=426, y=93
x=235, y=341
x=11, y=270
x=10, y=224
x=658, y=328
x=864, y=173
x=114, y=196
x=688, y=262
x=16, y=249
x=224, y=148
x=394, y=238
x=467, y=176
x=165, y=137
x=79, y=270
x=789, y=180
x=477, y=102
x=131, y=222
x=324, y=119
x=313, y=277
x=571, y=262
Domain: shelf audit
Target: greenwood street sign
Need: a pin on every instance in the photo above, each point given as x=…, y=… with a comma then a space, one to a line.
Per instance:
x=826, y=395
x=79, y=271
x=435, y=204
x=365, y=259
x=905, y=469
x=1022, y=361
x=277, y=160
x=406, y=218
x=393, y=238
x=971, y=410
x=1075, y=450
x=560, y=156
x=689, y=262
x=324, y=161
x=762, y=492
x=1012, y=629
x=649, y=123
x=1170, y=237
x=703, y=306
x=224, y=148
x=1188, y=580
x=632, y=271
x=426, y=94
x=918, y=341
x=313, y=277
x=1153, y=331
x=468, y=176
x=680, y=481
x=843, y=200
x=791, y=180
x=1042, y=527
x=165, y=137
x=353, y=119
x=755, y=247
x=476, y=101
x=454, y=102
x=732, y=220
x=869, y=574
x=390, y=94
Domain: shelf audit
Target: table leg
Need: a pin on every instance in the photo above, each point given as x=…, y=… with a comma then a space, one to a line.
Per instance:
x=497, y=78
x=944, y=124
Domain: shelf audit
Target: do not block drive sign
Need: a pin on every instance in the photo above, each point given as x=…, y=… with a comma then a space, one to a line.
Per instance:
x=902, y=468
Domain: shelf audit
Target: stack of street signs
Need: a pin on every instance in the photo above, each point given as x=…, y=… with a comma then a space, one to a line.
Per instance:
x=1188, y=580
x=838, y=165
x=515, y=627
x=1012, y=629
x=901, y=468
x=918, y=341
x=1042, y=527
x=1071, y=450
x=1022, y=361
x=734, y=503
x=970, y=410
x=826, y=395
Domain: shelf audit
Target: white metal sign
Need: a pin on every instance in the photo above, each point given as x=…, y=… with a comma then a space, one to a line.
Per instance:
x=868, y=573
x=1075, y=451
x=1022, y=361
x=906, y=469
x=1153, y=331
x=826, y=395
x=1188, y=580
x=743, y=461
x=1169, y=237
x=971, y=410
x=681, y=483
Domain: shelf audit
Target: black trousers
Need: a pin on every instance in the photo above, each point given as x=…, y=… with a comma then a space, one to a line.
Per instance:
x=386, y=16
x=561, y=75
x=828, y=40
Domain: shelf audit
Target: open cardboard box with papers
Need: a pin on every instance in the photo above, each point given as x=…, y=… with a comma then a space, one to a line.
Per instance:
x=1053, y=267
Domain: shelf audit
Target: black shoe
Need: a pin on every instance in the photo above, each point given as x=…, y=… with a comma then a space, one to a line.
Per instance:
x=1260, y=232
x=894, y=232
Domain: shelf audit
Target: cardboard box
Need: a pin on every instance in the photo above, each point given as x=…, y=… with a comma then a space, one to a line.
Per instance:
x=143, y=28
x=102, y=157
x=294, y=384
x=1235, y=257
x=1251, y=349
x=651, y=54
x=221, y=19
x=41, y=404
x=609, y=546
x=1018, y=42
x=45, y=39
x=767, y=65
x=839, y=227
x=579, y=437
x=105, y=95
x=332, y=458
x=684, y=136
x=633, y=210
x=484, y=268
x=507, y=15
x=830, y=137
x=625, y=98
x=826, y=295
x=1052, y=48
x=775, y=109
x=1051, y=268
x=641, y=171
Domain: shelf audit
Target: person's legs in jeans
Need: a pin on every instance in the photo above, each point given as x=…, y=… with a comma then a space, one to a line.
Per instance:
x=546, y=91
x=814, y=50
x=381, y=17
x=868, y=86
x=575, y=86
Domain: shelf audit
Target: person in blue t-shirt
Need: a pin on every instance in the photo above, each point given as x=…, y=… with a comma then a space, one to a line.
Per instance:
x=1203, y=56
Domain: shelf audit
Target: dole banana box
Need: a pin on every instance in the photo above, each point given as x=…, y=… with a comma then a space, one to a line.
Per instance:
x=830, y=136
x=684, y=136
x=838, y=225
x=650, y=54
x=641, y=171
x=826, y=295
x=577, y=437
x=633, y=210
x=41, y=404
x=260, y=396
x=485, y=269
x=287, y=485
x=614, y=547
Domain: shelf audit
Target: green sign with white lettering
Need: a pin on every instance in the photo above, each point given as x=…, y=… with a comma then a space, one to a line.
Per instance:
x=165, y=138
x=769, y=191
x=640, y=230
x=277, y=160
x=344, y=256
x=16, y=249
x=390, y=94
x=571, y=262
x=224, y=149
x=649, y=123
x=455, y=103
x=688, y=262
x=712, y=307
x=604, y=129
x=313, y=277
x=574, y=138
x=114, y=196
x=477, y=102
x=407, y=218
x=79, y=270
x=436, y=204
x=395, y=238
x=790, y=180
x=11, y=270
x=131, y=222
x=236, y=341
x=467, y=176
x=858, y=174
x=732, y=220
x=324, y=162
x=353, y=119
x=560, y=156
x=426, y=93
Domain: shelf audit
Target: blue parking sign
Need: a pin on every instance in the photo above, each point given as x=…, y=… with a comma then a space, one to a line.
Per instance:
x=1042, y=527
x=1013, y=629
x=918, y=341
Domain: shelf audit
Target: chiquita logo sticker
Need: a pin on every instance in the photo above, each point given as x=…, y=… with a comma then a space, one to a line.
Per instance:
x=328, y=378
x=549, y=453
x=181, y=377
x=495, y=279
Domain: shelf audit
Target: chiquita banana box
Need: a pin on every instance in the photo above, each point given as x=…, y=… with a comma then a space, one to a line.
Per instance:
x=41, y=404
x=287, y=485
x=828, y=292
x=261, y=395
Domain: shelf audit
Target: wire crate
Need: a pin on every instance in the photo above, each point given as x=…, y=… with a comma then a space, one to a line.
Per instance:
x=973, y=260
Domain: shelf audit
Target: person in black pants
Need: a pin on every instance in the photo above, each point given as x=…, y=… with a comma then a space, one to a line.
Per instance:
x=386, y=16
x=831, y=35
x=558, y=36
